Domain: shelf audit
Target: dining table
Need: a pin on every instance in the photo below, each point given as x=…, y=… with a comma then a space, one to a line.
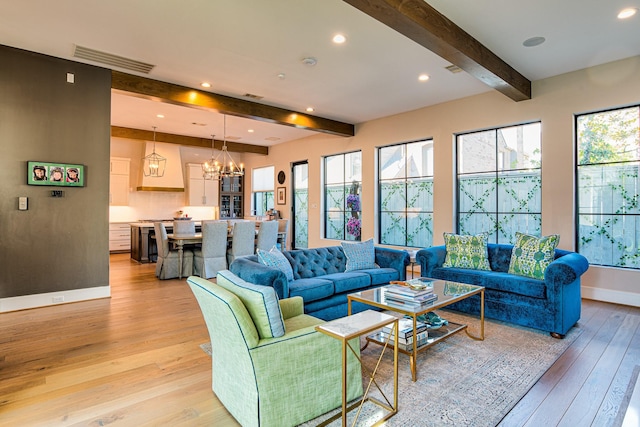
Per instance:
x=179, y=240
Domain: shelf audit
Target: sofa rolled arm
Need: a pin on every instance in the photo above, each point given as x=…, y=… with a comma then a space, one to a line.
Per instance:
x=260, y=274
x=430, y=258
x=566, y=269
x=392, y=258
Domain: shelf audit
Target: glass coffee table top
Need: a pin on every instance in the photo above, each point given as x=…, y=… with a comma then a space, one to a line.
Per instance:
x=447, y=292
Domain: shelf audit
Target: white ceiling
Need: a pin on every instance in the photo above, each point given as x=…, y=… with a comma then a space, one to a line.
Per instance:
x=241, y=46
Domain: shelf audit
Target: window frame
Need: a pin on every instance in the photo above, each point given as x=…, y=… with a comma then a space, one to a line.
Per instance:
x=614, y=216
x=266, y=194
x=406, y=181
x=325, y=204
x=496, y=174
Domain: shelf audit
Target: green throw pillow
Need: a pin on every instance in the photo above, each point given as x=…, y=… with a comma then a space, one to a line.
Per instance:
x=532, y=255
x=467, y=251
x=261, y=303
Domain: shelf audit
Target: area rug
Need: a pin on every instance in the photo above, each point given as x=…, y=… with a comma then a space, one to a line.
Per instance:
x=462, y=382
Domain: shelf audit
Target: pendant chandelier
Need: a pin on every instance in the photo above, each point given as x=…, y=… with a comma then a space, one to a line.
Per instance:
x=154, y=164
x=210, y=167
x=223, y=165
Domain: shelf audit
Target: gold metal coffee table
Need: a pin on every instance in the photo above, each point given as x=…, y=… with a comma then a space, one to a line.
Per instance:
x=448, y=292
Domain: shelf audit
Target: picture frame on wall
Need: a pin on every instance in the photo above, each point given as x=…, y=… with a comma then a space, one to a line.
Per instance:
x=55, y=174
x=281, y=196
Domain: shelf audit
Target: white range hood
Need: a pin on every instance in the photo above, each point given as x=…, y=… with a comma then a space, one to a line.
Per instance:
x=173, y=179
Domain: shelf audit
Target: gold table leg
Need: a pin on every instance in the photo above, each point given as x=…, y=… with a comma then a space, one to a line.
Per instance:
x=481, y=337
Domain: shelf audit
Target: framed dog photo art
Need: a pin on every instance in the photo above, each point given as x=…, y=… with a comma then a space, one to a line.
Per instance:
x=55, y=174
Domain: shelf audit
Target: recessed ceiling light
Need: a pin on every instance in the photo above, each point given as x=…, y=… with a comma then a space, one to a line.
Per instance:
x=309, y=109
x=423, y=77
x=160, y=116
x=627, y=13
x=339, y=39
x=250, y=131
x=309, y=61
x=533, y=41
x=205, y=84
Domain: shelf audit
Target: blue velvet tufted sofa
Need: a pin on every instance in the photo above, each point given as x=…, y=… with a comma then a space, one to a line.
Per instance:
x=320, y=278
x=551, y=305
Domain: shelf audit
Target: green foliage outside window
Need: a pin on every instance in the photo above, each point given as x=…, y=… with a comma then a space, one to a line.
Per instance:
x=608, y=146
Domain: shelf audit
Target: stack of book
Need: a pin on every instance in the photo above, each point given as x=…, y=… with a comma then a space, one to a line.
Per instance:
x=409, y=297
x=406, y=333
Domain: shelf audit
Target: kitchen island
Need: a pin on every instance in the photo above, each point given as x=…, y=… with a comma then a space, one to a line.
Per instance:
x=143, y=242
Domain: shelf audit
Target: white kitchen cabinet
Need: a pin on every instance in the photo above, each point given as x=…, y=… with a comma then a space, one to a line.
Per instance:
x=119, y=181
x=119, y=237
x=200, y=191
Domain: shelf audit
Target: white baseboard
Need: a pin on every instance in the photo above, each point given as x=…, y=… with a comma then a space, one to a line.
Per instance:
x=53, y=298
x=608, y=295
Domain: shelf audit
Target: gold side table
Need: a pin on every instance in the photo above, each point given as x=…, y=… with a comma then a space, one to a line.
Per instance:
x=347, y=328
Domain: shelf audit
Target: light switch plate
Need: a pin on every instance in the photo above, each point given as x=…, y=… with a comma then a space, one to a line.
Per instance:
x=23, y=203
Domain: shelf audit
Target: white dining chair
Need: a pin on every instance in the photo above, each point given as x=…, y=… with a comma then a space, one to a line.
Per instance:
x=184, y=227
x=243, y=240
x=267, y=235
x=167, y=265
x=212, y=256
x=283, y=230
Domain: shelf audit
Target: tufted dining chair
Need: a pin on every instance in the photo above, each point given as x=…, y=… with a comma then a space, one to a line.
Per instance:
x=243, y=240
x=212, y=256
x=168, y=258
x=267, y=235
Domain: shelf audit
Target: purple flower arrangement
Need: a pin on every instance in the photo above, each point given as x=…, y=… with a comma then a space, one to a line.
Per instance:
x=353, y=202
x=353, y=227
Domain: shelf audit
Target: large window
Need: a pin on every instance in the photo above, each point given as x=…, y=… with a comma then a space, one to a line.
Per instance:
x=262, y=190
x=405, y=189
x=499, y=182
x=608, y=161
x=342, y=182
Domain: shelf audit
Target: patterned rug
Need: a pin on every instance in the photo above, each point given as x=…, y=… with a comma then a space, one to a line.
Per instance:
x=461, y=382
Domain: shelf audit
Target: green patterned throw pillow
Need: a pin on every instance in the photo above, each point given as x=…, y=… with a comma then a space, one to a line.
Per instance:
x=466, y=251
x=532, y=255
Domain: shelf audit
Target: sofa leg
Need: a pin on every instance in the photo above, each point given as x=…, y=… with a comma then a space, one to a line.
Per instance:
x=557, y=335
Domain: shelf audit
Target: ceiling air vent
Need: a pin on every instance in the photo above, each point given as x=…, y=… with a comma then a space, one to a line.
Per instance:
x=454, y=69
x=112, y=60
x=252, y=96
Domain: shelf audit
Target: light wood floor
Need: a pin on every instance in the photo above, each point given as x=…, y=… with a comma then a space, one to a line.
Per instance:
x=134, y=360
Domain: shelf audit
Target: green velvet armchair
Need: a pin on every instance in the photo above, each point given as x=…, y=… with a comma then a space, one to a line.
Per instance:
x=280, y=381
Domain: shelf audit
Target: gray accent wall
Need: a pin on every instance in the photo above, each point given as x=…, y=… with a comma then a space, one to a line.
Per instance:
x=58, y=244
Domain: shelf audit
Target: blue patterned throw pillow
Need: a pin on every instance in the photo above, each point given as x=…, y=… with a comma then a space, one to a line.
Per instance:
x=532, y=255
x=466, y=251
x=360, y=255
x=261, y=303
x=274, y=258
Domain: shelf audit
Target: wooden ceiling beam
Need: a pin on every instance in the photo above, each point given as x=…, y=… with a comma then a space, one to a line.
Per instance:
x=429, y=28
x=147, y=135
x=155, y=90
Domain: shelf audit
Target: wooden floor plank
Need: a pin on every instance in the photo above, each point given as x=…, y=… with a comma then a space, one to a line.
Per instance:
x=582, y=411
x=134, y=360
x=608, y=409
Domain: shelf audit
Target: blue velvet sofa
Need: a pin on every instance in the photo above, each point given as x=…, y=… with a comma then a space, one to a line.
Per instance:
x=551, y=305
x=319, y=277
